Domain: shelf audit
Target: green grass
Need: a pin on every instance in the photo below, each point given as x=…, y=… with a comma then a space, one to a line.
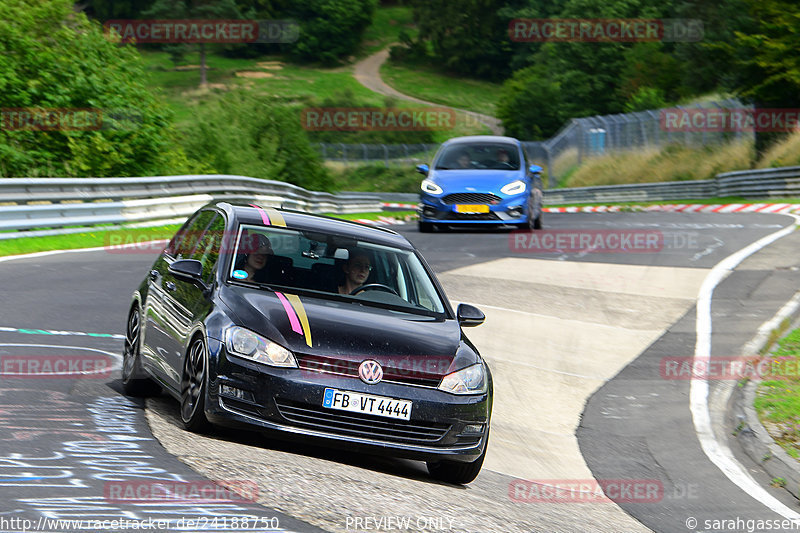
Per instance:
x=432, y=85
x=708, y=201
x=377, y=178
x=286, y=81
x=92, y=238
x=386, y=27
x=778, y=400
x=373, y=216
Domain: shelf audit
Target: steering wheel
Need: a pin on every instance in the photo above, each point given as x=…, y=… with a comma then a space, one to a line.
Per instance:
x=504, y=165
x=373, y=286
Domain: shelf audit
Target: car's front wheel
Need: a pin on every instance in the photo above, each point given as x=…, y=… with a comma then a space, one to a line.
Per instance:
x=132, y=383
x=534, y=218
x=193, y=388
x=455, y=472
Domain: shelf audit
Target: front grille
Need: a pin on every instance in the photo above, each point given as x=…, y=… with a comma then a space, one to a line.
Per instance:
x=471, y=198
x=472, y=216
x=404, y=372
x=358, y=425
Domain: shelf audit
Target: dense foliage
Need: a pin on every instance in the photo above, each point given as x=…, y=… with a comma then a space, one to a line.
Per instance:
x=248, y=134
x=52, y=58
x=748, y=48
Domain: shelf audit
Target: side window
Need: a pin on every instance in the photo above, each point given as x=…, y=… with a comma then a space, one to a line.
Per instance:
x=207, y=250
x=184, y=242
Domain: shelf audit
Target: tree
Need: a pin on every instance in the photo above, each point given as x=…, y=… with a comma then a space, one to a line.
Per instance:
x=54, y=58
x=531, y=104
x=252, y=135
x=468, y=37
x=193, y=9
x=329, y=29
x=769, y=61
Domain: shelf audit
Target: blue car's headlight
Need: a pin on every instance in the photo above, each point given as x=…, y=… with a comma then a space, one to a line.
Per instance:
x=515, y=187
x=250, y=345
x=430, y=187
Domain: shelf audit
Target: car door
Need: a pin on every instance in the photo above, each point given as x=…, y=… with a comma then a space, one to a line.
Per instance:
x=163, y=315
x=191, y=301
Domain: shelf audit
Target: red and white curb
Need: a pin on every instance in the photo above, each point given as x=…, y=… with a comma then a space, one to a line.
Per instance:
x=381, y=221
x=400, y=206
x=682, y=208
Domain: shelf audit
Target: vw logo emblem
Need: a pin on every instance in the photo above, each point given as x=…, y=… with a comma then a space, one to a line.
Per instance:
x=370, y=372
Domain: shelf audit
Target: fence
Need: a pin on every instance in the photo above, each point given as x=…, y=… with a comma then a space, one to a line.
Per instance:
x=58, y=203
x=386, y=154
x=126, y=200
x=579, y=139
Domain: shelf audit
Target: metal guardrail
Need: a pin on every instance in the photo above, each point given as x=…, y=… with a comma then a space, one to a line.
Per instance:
x=57, y=203
x=763, y=183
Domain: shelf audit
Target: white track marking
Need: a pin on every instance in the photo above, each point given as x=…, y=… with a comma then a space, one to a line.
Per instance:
x=116, y=366
x=718, y=452
x=78, y=250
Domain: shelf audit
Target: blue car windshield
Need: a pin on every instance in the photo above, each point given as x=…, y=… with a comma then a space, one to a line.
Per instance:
x=465, y=156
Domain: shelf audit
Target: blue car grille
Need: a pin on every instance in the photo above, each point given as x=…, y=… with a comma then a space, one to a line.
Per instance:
x=472, y=216
x=471, y=198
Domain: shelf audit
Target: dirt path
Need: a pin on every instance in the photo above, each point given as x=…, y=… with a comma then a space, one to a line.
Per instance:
x=367, y=72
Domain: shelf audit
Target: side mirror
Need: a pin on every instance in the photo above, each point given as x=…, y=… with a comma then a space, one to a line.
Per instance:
x=187, y=269
x=535, y=169
x=423, y=169
x=469, y=315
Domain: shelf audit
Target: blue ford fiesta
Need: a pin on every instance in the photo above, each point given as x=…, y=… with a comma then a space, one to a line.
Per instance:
x=482, y=179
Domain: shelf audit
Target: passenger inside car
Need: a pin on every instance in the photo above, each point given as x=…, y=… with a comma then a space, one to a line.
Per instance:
x=257, y=250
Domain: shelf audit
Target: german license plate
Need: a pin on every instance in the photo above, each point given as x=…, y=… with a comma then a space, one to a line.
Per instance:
x=356, y=402
x=472, y=208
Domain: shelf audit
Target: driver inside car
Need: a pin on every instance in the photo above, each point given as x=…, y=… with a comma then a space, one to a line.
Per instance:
x=503, y=159
x=356, y=271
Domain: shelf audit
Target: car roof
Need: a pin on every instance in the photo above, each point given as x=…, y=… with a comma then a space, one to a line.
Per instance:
x=245, y=213
x=481, y=138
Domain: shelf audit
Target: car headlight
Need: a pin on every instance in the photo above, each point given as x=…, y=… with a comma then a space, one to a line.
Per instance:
x=470, y=380
x=515, y=187
x=430, y=187
x=245, y=343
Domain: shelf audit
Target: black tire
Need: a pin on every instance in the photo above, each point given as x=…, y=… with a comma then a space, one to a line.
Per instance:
x=132, y=382
x=425, y=227
x=193, y=388
x=532, y=222
x=455, y=472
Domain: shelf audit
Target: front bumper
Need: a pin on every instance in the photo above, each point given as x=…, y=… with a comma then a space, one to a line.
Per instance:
x=508, y=210
x=288, y=402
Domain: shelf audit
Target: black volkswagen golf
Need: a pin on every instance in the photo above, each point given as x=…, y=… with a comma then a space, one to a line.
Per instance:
x=311, y=327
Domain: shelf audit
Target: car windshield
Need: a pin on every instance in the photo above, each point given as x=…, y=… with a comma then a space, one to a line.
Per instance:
x=333, y=266
x=497, y=156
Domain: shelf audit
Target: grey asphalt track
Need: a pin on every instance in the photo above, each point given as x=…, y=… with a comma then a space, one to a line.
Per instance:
x=627, y=432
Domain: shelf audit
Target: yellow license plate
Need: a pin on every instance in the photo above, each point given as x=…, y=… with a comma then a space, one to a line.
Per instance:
x=472, y=208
